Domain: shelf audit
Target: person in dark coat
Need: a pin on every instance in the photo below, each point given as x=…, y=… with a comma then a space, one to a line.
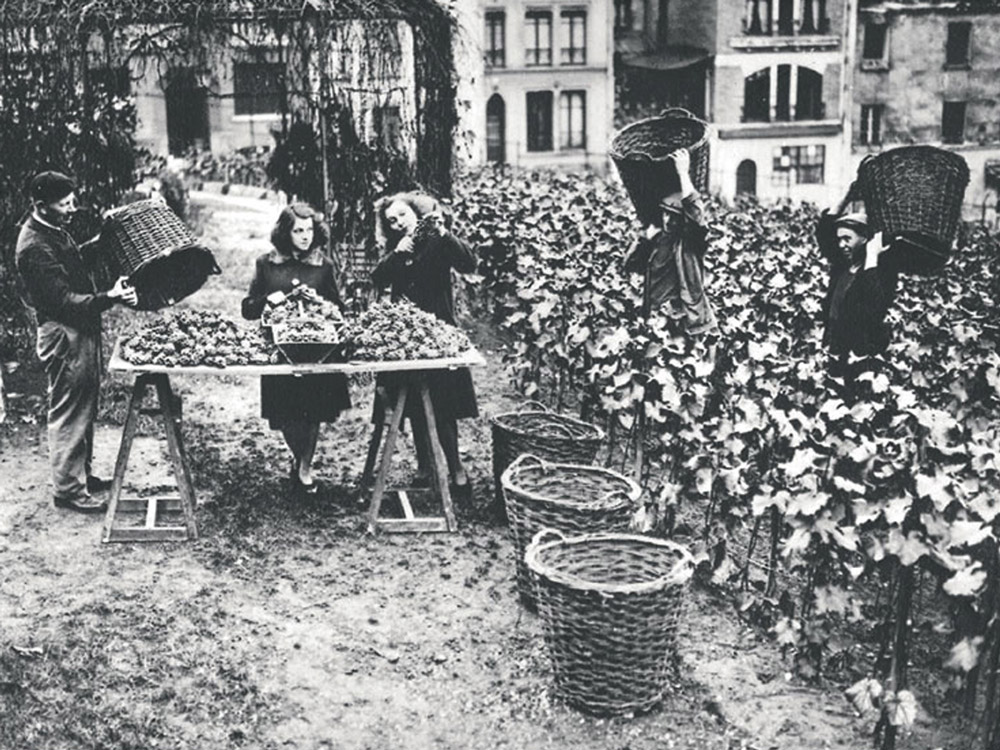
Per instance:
x=59, y=286
x=296, y=404
x=420, y=255
x=671, y=258
x=860, y=292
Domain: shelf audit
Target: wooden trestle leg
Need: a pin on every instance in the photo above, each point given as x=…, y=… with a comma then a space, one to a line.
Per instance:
x=438, y=467
x=169, y=410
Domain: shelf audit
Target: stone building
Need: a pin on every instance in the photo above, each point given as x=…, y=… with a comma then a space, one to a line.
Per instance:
x=536, y=85
x=776, y=81
x=929, y=73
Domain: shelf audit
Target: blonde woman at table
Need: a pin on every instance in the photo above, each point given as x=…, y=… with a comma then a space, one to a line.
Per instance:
x=297, y=404
x=420, y=253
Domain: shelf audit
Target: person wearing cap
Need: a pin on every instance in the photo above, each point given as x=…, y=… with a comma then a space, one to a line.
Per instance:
x=60, y=289
x=861, y=289
x=671, y=257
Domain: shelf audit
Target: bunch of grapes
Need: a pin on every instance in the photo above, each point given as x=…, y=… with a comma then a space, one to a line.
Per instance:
x=187, y=338
x=295, y=309
x=401, y=330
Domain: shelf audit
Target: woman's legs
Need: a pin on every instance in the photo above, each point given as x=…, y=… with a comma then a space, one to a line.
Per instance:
x=301, y=438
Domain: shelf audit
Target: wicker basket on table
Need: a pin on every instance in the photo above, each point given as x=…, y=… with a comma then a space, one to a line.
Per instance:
x=544, y=433
x=641, y=154
x=156, y=250
x=570, y=498
x=913, y=195
x=611, y=605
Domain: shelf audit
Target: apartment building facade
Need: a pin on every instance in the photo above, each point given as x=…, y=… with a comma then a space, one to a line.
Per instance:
x=930, y=73
x=536, y=84
x=779, y=98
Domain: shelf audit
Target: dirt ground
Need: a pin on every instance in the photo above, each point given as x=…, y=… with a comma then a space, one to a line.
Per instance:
x=287, y=625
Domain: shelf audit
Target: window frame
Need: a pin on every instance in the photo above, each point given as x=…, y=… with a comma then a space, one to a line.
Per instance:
x=953, y=138
x=566, y=140
x=533, y=55
x=539, y=141
x=255, y=92
x=870, y=124
x=800, y=164
x=950, y=45
x=568, y=54
x=882, y=61
x=495, y=57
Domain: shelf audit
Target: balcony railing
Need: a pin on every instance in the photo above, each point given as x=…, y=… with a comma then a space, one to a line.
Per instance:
x=756, y=26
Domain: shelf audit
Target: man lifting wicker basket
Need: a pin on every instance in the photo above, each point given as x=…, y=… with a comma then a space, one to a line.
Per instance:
x=155, y=249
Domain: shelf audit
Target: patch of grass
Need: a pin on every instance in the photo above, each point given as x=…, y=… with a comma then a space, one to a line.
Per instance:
x=132, y=675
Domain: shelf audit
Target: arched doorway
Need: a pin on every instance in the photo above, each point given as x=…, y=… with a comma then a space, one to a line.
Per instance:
x=746, y=178
x=496, y=127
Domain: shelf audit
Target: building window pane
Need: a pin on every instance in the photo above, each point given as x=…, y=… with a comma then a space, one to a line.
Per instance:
x=809, y=95
x=957, y=46
x=782, y=107
x=624, y=17
x=758, y=17
x=495, y=41
x=953, y=122
x=539, y=104
x=756, y=96
x=871, y=124
x=874, y=42
x=538, y=38
x=573, y=119
x=802, y=165
x=258, y=87
x=574, y=34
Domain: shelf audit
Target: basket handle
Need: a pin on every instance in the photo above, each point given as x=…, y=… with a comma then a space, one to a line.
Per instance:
x=669, y=111
x=525, y=458
x=547, y=533
x=538, y=406
x=616, y=493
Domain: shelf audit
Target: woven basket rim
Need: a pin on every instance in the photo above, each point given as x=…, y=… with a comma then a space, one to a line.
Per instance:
x=616, y=155
x=507, y=481
x=893, y=154
x=598, y=433
x=671, y=578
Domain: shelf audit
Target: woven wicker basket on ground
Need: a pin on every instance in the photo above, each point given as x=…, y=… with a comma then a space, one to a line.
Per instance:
x=570, y=498
x=154, y=248
x=641, y=153
x=913, y=195
x=543, y=433
x=611, y=604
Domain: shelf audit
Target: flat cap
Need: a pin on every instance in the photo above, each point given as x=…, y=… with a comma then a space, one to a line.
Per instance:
x=50, y=187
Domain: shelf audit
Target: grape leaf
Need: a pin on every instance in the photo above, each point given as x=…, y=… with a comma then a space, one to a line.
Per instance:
x=966, y=582
x=964, y=655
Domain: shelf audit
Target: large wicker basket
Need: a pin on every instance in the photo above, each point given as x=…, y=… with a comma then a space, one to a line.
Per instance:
x=611, y=605
x=543, y=433
x=641, y=153
x=154, y=248
x=570, y=498
x=914, y=196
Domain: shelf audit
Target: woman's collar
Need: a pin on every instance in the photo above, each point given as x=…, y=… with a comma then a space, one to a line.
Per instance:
x=314, y=258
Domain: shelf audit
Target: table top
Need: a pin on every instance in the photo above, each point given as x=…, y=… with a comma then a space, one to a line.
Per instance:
x=471, y=358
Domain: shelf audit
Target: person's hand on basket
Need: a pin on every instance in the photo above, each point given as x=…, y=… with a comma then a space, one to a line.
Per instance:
x=123, y=292
x=873, y=249
x=308, y=293
x=682, y=163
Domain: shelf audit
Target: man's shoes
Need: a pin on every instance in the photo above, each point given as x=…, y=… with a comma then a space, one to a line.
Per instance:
x=96, y=484
x=82, y=503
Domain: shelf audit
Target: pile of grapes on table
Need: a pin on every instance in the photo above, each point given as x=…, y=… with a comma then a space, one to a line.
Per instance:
x=385, y=331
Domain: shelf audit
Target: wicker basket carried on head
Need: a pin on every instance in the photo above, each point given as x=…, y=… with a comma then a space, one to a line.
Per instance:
x=611, y=604
x=543, y=433
x=154, y=248
x=913, y=195
x=570, y=498
x=641, y=153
